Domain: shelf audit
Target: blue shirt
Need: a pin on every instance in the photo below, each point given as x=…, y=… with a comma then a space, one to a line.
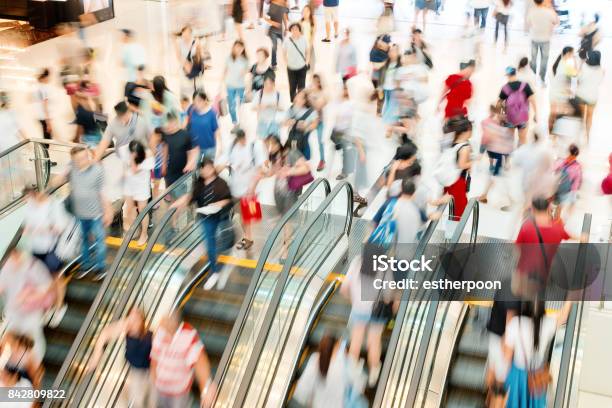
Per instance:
x=331, y=3
x=202, y=128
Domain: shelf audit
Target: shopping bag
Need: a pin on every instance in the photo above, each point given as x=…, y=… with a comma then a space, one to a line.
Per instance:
x=220, y=106
x=250, y=208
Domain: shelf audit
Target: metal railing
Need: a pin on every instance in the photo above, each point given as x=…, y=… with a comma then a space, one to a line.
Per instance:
x=29, y=164
x=567, y=365
x=101, y=309
x=266, y=252
x=410, y=306
x=320, y=223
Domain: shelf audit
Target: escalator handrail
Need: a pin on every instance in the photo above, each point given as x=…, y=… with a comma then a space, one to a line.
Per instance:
x=122, y=302
x=403, y=308
x=263, y=257
x=472, y=210
x=89, y=320
x=36, y=142
x=573, y=325
x=279, y=288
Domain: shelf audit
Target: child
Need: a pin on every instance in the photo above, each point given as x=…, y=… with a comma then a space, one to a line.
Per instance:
x=185, y=104
x=498, y=141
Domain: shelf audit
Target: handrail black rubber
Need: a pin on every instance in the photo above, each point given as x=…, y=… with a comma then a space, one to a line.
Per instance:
x=572, y=326
x=403, y=308
x=108, y=279
x=280, y=287
x=249, y=296
x=122, y=302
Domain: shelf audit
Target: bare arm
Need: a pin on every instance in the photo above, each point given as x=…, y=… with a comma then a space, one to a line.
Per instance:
x=465, y=162
x=192, y=159
x=102, y=146
x=111, y=332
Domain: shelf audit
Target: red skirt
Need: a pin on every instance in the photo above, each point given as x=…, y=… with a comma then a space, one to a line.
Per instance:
x=458, y=190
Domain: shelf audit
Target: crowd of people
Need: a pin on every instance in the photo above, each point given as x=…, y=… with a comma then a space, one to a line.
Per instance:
x=161, y=134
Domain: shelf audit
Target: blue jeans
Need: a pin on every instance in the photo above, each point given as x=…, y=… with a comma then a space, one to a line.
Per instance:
x=320, y=139
x=207, y=153
x=389, y=110
x=93, y=228
x=92, y=139
x=232, y=95
x=275, y=37
x=481, y=14
x=544, y=49
x=209, y=228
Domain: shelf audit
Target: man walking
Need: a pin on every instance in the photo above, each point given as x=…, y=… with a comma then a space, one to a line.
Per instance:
x=541, y=22
x=277, y=16
x=330, y=8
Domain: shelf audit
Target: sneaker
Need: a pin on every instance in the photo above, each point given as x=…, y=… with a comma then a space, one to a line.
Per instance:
x=321, y=166
x=212, y=281
x=326, y=40
x=58, y=315
x=100, y=275
x=373, y=376
x=341, y=176
x=273, y=67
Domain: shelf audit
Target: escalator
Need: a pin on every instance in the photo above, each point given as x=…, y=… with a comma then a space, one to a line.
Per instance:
x=264, y=350
x=331, y=313
x=449, y=363
x=151, y=285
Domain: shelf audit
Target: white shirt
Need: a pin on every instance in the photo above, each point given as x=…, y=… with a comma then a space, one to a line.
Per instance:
x=15, y=277
x=519, y=336
x=480, y=3
x=314, y=391
x=132, y=55
x=295, y=60
x=408, y=219
x=359, y=306
x=9, y=129
x=344, y=116
x=501, y=8
x=41, y=95
x=413, y=79
x=44, y=221
x=244, y=160
x=541, y=22
x=589, y=82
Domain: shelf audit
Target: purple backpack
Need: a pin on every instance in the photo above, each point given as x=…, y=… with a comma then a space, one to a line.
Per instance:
x=517, y=105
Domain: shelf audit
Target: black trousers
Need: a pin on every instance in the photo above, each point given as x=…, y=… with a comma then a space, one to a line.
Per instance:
x=297, y=81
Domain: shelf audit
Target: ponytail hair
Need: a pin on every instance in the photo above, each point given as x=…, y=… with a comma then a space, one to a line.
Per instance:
x=566, y=50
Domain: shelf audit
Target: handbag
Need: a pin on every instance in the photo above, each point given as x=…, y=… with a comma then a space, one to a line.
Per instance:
x=336, y=138
x=297, y=136
x=295, y=183
x=537, y=378
x=250, y=209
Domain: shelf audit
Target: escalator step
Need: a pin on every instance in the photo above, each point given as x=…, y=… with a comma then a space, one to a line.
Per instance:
x=468, y=372
x=214, y=342
x=474, y=343
x=56, y=353
x=459, y=398
x=212, y=310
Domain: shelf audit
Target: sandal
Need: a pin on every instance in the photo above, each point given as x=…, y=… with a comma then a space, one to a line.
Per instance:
x=241, y=244
x=359, y=199
x=247, y=244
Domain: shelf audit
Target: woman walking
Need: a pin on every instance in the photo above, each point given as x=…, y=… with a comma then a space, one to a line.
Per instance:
x=234, y=77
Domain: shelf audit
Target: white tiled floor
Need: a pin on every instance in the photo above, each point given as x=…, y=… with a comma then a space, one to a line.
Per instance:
x=156, y=21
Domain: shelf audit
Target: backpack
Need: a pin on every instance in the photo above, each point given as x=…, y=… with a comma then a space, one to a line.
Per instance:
x=517, y=105
x=447, y=171
x=565, y=181
x=384, y=235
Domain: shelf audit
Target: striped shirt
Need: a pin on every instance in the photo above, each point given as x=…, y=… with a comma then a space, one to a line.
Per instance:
x=175, y=356
x=86, y=191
